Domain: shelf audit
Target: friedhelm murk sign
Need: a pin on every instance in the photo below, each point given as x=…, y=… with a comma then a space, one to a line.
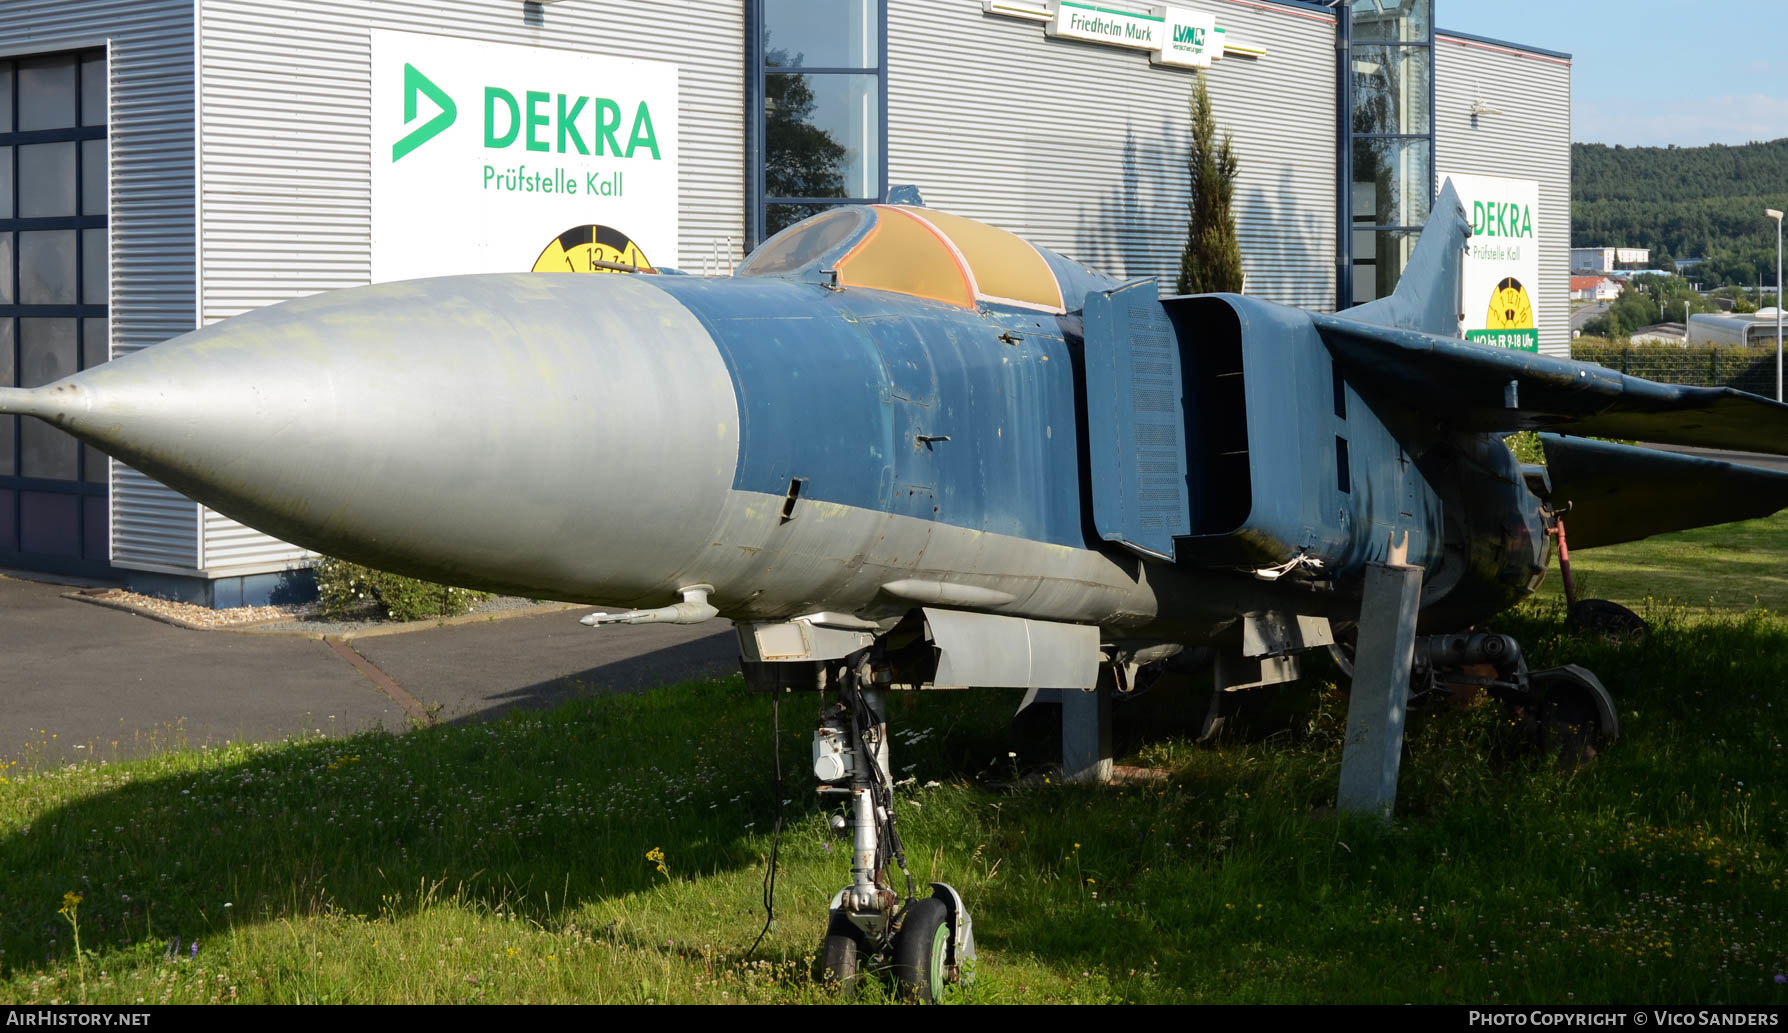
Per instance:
x=1140, y=27
x=487, y=157
x=1502, y=260
x=1172, y=35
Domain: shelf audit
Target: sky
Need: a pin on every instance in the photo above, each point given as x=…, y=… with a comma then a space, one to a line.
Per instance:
x=1645, y=73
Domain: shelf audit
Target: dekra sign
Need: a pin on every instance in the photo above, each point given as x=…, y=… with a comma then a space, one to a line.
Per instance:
x=588, y=124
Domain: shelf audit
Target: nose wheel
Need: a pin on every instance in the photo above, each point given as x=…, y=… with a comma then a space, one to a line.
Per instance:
x=844, y=955
x=931, y=950
x=932, y=947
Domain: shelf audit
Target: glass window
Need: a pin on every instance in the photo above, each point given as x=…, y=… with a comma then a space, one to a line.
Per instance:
x=8, y=424
x=94, y=181
x=1390, y=89
x=95, y=270
x=96, y=349
x=95, y=465
x=1393, y=21
x=817, y=132
x=47, y=352
x=47, y=180
x=47, y=93
x=822, y=136
x=1392, y=182
x=49, y=522
x=47, y=270
x=1378, y=259
x=1389, y=80
x=93, y=91
x=821, y=34
x=53, y=252
x=96, y=342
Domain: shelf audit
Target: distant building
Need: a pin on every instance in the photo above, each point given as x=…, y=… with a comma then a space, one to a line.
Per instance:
x=1756, y=330
x=1607, y=259
x=1594, y=288
x=1661, y=333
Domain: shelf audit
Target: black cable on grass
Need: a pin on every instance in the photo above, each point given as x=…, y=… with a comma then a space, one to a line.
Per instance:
x=776, y=836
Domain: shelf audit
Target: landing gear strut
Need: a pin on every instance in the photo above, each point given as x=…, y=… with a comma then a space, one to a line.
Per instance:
x=931, y=941
x=1561, y=708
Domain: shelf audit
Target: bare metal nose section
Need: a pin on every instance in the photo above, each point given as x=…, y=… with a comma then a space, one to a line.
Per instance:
x=573, y=433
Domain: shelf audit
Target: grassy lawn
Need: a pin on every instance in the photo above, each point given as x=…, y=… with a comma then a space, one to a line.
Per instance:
x=507, y=862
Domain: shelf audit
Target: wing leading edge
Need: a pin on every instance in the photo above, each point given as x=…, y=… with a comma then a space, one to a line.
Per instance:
x=1476, y=387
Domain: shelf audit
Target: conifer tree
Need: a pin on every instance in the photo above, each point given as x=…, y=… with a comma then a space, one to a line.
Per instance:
x=1212, y=260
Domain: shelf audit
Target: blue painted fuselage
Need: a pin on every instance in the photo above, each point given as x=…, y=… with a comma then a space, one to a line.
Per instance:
x=901, y=405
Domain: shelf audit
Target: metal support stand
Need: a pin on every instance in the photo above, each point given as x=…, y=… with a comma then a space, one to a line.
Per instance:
x=1086, y=733
x=1375, y=707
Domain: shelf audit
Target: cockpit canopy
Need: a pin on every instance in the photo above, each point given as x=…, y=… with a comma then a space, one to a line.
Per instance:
x=914, y=251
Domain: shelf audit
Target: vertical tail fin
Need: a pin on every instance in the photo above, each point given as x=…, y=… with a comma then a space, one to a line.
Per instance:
x=1427, y=297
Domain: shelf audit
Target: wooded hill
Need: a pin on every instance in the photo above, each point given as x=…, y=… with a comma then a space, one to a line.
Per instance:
x=1683, y=202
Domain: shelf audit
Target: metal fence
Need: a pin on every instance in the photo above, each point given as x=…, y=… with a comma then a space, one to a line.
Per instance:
x=1747, y=369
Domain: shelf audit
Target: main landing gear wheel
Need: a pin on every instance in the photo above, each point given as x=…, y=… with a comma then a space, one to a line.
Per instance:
x=1610, y=620
x=1576, y=714
x=844, y=955
x=922, y=951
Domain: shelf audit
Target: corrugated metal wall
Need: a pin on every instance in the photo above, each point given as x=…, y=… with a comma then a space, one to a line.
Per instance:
x=1082, y=147
x=151, y=144
x=1529, y=139
x=286, y=129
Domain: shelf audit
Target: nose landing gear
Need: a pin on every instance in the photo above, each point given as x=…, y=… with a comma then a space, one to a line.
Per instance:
x=929, y=943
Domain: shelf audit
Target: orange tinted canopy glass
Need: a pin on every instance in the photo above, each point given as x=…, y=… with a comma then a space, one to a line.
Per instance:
x=948, y=258
x=908, y=256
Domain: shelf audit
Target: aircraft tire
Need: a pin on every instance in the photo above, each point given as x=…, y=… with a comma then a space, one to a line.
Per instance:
x=1610, y=620
x=1577, y=716
x=922, y=950
x=844, y=955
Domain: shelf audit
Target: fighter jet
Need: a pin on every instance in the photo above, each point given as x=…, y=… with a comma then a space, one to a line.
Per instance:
x=904, y=449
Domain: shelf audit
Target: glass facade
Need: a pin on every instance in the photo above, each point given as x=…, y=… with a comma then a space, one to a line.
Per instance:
x=53, y=301
x=1388, y=84
x=817, y=109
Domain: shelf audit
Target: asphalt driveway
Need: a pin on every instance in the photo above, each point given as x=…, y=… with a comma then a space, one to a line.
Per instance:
x=79, y=680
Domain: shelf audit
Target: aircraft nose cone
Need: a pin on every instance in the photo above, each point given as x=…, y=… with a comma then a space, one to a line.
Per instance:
x=571, y=433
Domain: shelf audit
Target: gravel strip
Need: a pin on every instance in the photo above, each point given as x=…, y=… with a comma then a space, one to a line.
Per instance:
x=302, y=619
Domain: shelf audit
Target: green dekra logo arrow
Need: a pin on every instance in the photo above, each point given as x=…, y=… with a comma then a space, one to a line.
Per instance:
x=417, y=83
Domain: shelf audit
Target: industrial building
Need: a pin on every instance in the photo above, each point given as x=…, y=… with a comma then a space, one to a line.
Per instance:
x=177, y=162
x=1608, y=259
x=1754, y=330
